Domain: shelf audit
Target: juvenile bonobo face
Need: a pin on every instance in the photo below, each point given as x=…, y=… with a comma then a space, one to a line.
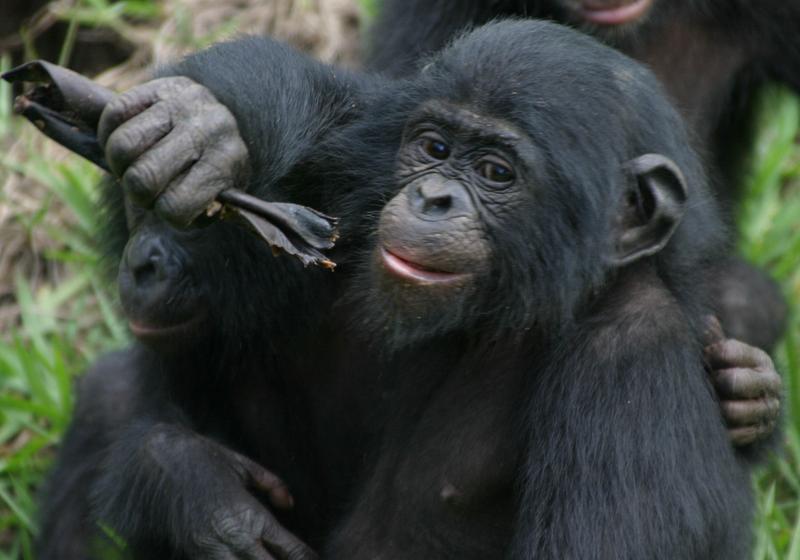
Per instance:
x=459, y=174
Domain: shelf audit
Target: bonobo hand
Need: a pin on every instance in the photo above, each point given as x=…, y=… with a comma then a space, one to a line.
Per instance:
x=747, y=383
x=212, y=487
x=174, y=146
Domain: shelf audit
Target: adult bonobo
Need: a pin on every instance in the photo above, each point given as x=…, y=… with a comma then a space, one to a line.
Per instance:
x=711, y=55
x=508, y=358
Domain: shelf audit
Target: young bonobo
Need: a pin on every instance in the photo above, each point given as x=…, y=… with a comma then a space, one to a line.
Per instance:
x=711, y=55
x=507, y=361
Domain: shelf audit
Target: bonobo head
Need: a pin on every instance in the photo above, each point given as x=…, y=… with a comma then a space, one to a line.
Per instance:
x=539, y=166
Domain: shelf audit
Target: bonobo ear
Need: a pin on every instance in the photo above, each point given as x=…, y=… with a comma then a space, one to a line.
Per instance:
x=651, y=210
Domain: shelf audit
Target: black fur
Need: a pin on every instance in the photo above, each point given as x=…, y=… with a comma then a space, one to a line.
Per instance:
x=565, y=414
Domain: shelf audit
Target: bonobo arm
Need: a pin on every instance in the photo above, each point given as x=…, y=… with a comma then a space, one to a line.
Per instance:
x=168, y=490
x=628, y=453
x=67, y=529
x=239, y=114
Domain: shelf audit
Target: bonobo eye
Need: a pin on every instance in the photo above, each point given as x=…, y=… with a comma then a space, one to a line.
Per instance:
x=435, y=147
x=495, y=171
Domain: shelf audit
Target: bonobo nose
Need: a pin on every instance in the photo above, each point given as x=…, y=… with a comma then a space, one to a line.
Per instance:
x=150, y=261
x=437, y=198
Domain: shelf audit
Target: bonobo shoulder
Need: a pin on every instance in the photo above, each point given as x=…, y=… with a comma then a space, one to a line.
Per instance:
x=639, y=310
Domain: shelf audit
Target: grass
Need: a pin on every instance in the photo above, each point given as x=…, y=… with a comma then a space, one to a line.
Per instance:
x=67, y=320
x=769, y=221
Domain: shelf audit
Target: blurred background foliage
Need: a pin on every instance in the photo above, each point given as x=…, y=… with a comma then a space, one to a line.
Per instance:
x=58, y=307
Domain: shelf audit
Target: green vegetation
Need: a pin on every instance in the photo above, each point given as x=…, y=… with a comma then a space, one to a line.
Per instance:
x=769, y=222
x=65, y=313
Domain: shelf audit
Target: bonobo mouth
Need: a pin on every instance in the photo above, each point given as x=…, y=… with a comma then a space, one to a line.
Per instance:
x=417, y=272
x=154, y=332
x=613, y=12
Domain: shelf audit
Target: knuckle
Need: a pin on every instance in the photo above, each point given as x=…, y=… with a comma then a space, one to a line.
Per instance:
x=139, y=180
x=216, y=120
x=235, y=149
x=121, y=142
x=769, y=373
x=178, y=208
x=168, y=207
x=773, y=408
x=196, y=138
x=166, y=88
x=118, y=106
x=762, y=359
x=769, y=382
x=110, y=118
x=198, y=91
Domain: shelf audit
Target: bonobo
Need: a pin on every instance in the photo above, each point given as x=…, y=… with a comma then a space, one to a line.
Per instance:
x=508, y=360
x=711, y=55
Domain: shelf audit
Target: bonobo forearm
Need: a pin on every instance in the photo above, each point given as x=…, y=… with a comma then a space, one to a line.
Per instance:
x=165, y=487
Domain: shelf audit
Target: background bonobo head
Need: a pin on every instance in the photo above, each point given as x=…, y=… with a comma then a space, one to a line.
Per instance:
x=540, y=165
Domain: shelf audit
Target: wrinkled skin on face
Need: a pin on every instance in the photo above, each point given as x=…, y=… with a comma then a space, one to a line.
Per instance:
x=459, y=177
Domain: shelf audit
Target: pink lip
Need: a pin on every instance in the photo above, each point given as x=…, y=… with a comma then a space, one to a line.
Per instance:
x=411, y=271
x=615, y=16
x=153, y=332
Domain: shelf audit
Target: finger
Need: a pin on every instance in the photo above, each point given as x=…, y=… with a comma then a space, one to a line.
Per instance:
x=188, y=195
x=137, y=135
x=713, y=330
x=746, y=436
x=153, y=172
x=733, y=353
x=134, y=101
x=751, y=413
x=264, y=481
x=747, y=383
x=284, y=545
